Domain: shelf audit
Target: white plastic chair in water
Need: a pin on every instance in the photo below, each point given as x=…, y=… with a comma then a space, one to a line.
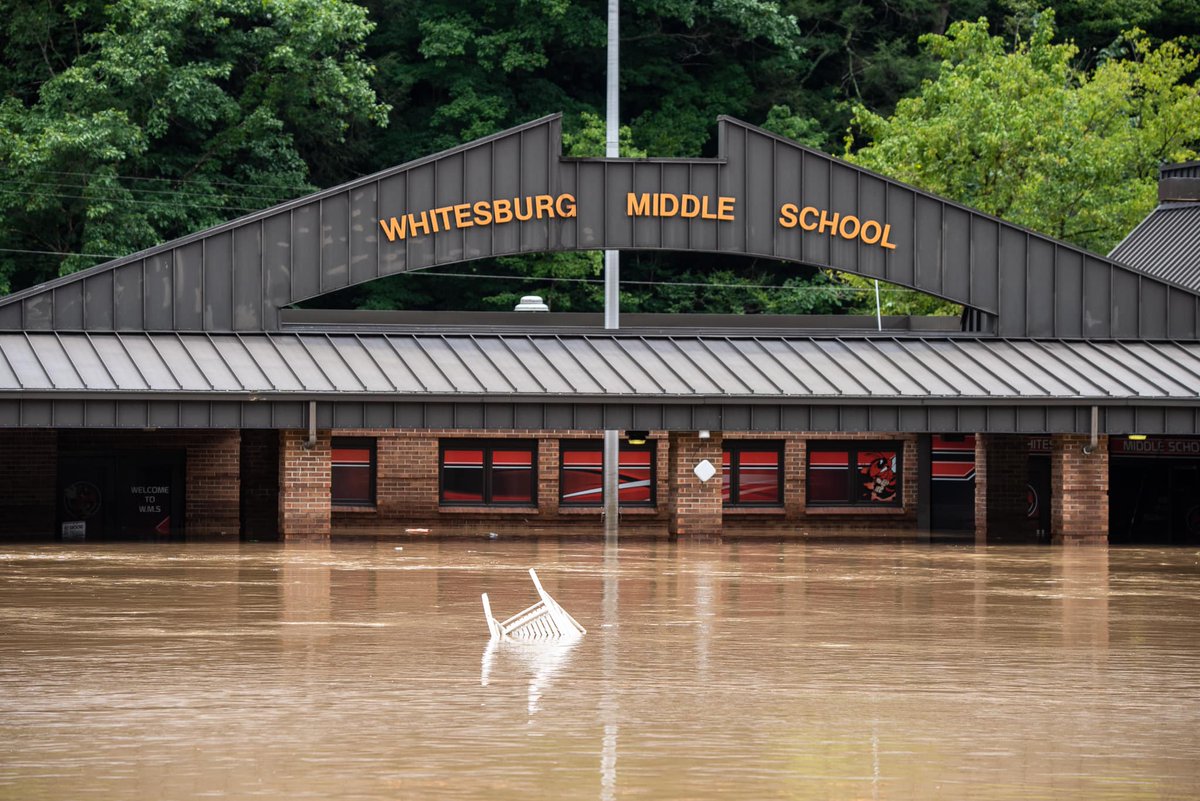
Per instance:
x=545, y=620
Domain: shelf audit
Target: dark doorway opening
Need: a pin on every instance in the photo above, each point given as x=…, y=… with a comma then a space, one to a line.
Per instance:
x=1154, y=501
x=952, y=484
x=121, y=494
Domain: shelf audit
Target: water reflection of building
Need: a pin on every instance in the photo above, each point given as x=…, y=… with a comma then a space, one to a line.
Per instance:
x=178, y=390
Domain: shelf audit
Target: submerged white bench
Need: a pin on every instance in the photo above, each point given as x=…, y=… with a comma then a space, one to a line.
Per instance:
x=545, y=620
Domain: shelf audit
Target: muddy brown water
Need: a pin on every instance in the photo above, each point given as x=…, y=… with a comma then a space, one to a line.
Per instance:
x=710, y=670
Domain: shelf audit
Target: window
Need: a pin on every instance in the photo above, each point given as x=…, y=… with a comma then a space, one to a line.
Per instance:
x=352, y=479
x=581, y=479
x=854, y=473
x=497, y=472
x=753, y=474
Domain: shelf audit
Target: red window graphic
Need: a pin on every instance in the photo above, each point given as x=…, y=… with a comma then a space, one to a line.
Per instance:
x=488, y=473
x=582, y=477
x=753, y=474
x=352, y=472
x=853, y=474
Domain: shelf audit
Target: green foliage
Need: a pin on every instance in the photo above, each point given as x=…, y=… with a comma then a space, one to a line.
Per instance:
x=147, y=119
x=1030, y=136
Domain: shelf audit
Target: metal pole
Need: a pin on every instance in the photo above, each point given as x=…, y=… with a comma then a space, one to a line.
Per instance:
x=878, y=309
x=612, y=269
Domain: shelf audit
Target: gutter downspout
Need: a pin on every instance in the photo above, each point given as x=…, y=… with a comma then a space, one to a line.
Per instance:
x=311, y=442
x=1091, y=446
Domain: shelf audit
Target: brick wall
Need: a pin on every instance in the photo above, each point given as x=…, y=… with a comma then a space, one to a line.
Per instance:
x=1079, y=490
x=304, y=479
x=694, y=505
x=213, y=482
x=407, y=490
x=29, y=477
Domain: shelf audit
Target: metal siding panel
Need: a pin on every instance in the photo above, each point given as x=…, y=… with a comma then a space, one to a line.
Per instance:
x=1012, y=282
x=882, y=418
x=554, y=415
x=985, y=260
x=1179, y=421
x=815, y=177
x=956, y=253
x=1125, y=305
x=277, y=266
x=68, y=414
x=705, y=180
x=506, y=177
x=335, y=242
x=37, y=414
x=672, y=232
x=379, y=415
x=477, y=183
x=409, y=415
x=901, y=262
x=225, y=414
x=98, y=302
x=1068, y=290
x=1150, y=420
x=732, y=182
x=942, y=418
x=306, y=252
x=349, y=415
x=189, y=287
x=448, y=243
x=1181, y=313
x=1060, y=419
x=914, y=418
x=535, y=180
x=364, y=234
x=1097, y=297
x=618, y=416
x=972, y=419
x=590, y=199
x=10, y=317
x=1031, y=418
x=586, y=415
x=160, y=292
x=162, y=414
x=796, y=418
x=619, y=225
x=130, y=297
x=1119, y=420
x=1152, y=313
x=566, y=234
x=1040, y=288
x=393, y=197
x=844, y=201
x=132, y=414
x=788, y=189
x=647, y=231
x=499, y=415
x=677, y=418
x=854, y=418
x=218, y=282
x=100, y=414
x=195, y=415
x=735, y=418
x=439, y=415
x=647, y=417
x=1002, y=419
x=928, y=245
x=38, y=312
x=68, y=307
x=10, y=413
x=290, y=415
x=872, y=205
x=247, y=278
x=825, y=418
x=707, y=417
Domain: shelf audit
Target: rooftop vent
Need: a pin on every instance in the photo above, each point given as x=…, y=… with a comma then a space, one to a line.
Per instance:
x=1179, y=183
x=532, y=303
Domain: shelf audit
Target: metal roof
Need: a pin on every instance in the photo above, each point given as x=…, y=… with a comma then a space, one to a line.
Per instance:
x=1166, y=244
x=536, y=367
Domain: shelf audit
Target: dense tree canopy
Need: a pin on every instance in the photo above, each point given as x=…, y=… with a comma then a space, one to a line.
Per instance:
x=127, y=122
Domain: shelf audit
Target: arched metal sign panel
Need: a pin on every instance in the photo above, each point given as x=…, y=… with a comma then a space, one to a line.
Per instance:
x=513, y=193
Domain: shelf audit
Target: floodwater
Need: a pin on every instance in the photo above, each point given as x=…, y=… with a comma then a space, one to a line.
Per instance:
x=710, y=670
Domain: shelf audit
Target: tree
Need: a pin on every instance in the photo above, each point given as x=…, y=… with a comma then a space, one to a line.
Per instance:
x=124, y=124
x=1029, y=136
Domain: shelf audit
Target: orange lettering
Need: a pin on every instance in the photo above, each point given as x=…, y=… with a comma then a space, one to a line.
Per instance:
x=808, y=211
x=871, y=239
x=545, y=206
x=694, y=211
x=725, y=208
x=483, y=213
x=787, y=215
x=528, y=213
x=887, y=229
x=503, y=211
x=827, y=222
x=637, y=205
x=842, y=232
x=461, y=218
x=704, y=212
x=565, y=206
x=395, y=229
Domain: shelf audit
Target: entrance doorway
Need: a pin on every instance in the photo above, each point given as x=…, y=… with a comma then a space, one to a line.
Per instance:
x=121, y=494
x=1154, y=491
x=952, y=484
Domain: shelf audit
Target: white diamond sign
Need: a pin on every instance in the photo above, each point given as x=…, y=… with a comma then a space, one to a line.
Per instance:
x=704, y=471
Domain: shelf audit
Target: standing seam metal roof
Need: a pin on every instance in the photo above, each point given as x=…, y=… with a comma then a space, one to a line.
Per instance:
x=1166, y=244
x=533, y=367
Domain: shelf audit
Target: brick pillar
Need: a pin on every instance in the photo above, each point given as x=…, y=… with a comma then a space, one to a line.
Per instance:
x=260, y=483
x=547, y=477
x=981, y=487
x=1079, y=491
x=1005, y=501
x=695, y=505
x=304, y=479
x=214, y=483
x=29, y=481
